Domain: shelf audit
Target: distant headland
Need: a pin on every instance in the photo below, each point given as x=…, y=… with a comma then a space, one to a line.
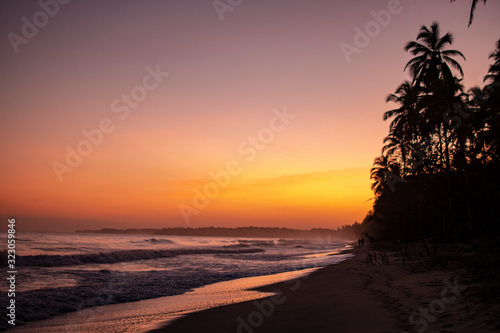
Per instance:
x=347, y=232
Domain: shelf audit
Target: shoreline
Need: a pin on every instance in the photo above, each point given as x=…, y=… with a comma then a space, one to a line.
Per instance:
x=148, y=314
x=122, y=273
x=357, y=295
x=263, y=288
x=286, y=311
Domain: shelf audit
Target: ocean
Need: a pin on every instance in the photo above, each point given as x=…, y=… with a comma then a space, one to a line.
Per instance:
x=68, y=272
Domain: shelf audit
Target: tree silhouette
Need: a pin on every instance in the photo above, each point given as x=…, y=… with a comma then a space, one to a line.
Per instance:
x=384, y=172
x=405, y=127
x=472, y=10
x=431, y=59
x=439, y=172
x=491, y=105
x=430, y=69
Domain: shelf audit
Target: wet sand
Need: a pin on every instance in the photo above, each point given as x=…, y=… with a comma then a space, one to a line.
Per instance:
x=145, y=315
x=359, y=296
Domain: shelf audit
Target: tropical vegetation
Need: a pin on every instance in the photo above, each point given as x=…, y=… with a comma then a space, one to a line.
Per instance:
x=439, y=172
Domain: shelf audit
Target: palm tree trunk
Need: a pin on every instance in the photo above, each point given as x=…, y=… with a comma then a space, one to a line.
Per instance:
x=440, y=147
x=403, y=154
x=447, y=152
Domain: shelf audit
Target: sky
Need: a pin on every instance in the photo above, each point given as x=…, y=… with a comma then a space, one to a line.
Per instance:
x=140, y=114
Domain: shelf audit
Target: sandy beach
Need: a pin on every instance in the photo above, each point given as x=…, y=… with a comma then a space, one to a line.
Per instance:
x=362, y=296
x=145, y=315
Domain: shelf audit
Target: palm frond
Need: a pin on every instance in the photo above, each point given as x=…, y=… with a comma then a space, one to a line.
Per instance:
x=455, y=64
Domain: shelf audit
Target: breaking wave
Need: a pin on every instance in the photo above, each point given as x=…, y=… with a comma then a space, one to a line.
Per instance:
x=153, y=241
x=119, y=256
x=256, y=242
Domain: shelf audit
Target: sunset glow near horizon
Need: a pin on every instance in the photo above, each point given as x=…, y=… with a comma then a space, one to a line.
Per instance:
x=159, y=114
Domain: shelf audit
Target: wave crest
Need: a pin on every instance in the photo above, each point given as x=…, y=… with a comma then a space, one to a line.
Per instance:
x=118, y=256
x=153, y=241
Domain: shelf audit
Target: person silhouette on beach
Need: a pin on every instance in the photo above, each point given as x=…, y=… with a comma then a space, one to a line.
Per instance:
x=359, y=242
x=362, y=241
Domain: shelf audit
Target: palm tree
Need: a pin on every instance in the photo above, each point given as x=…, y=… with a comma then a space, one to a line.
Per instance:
x=494, y=70
x=471, y=147
x=472, y=10
x=394, y=144
x=384, y=172
x=431, y=69
x=407, y=96
x=492, y=104
x=396, y=148
x=431, y=59
x=405, y=127
x=440, y=108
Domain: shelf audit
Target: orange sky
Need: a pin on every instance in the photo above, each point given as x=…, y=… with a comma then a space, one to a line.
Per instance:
x=226, y=82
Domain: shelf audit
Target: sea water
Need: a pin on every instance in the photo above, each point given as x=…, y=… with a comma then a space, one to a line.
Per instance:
x=66, y=272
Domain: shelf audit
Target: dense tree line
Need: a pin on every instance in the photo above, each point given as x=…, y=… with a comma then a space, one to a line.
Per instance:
x=345, y=232
x=439, y=172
